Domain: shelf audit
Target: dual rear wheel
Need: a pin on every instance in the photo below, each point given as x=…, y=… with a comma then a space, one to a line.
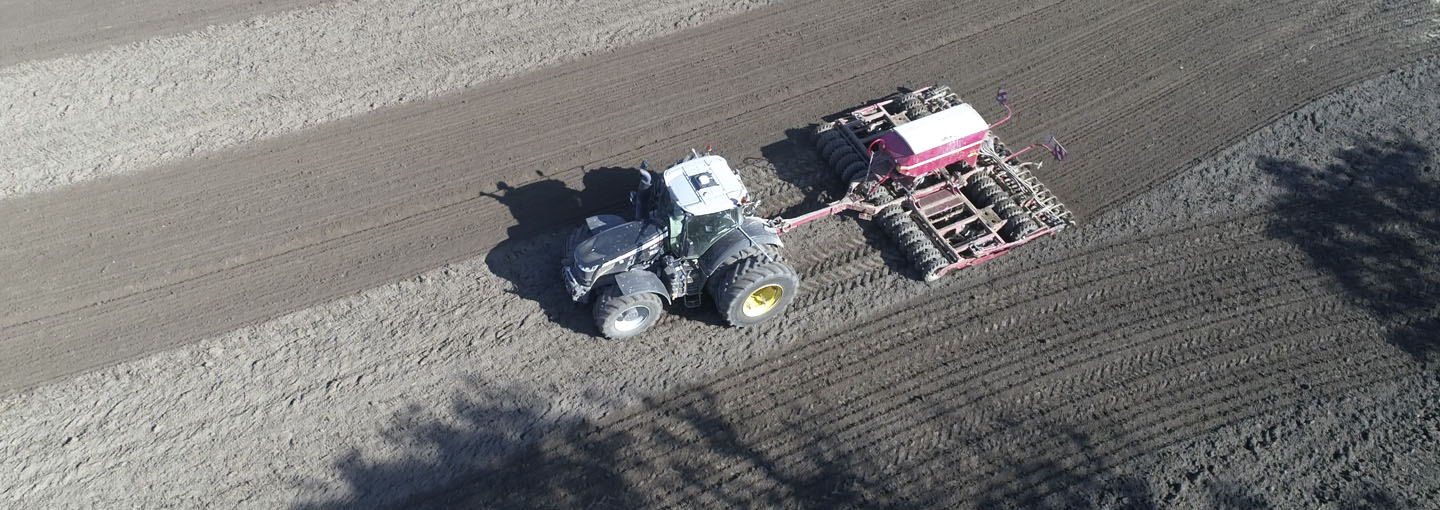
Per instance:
x=746, y=292
x=754, y=290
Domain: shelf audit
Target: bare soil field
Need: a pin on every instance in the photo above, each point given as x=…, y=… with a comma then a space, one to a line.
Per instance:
x=130, y=107
x=34, y=30
x=159, y=258
x=1248, y=326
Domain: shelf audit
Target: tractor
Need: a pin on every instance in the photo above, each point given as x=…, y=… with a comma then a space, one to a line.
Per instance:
x=693, y=233
x=926, y=167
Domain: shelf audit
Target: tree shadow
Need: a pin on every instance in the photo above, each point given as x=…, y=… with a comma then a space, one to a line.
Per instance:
x=696, y=449
x=497, y=453
x=486, y=427
x=1371, y=220
x=1232, y=496
x=530, y=256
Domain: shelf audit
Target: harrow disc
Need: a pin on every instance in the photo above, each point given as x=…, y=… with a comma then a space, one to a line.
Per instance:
x=985, y=192
x=919, y=248
x=854, y=171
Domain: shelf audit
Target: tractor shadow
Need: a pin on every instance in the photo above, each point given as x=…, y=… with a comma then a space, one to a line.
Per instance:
x=1371, y=220
x=796, y=161
x=545, y=212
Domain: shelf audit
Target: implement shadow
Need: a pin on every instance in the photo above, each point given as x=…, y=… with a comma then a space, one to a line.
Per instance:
x=796, y=161
x=545, y=212
x=1371, y=220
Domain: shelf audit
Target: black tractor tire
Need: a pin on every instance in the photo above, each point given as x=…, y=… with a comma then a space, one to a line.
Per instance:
x=764, y=251
x=755, y=290
x=620, y=316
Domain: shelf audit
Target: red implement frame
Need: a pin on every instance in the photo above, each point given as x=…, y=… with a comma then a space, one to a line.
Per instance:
x=969, y=233
x=944, y=212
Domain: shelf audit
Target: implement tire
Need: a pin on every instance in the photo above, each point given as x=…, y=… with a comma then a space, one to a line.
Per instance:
x=755, y=290
x=620, y=316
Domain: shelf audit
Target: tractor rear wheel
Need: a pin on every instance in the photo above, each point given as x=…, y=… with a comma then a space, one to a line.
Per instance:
x=755, y=290
x=620, y=316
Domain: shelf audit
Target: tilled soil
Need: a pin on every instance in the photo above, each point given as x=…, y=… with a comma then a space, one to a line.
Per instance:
x=1209, y=343
x=156, y=259
x=1208, y=336
x=90, y=115
x=35, y=30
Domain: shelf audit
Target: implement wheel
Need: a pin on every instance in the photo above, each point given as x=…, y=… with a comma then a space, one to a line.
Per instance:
x=755, y=290
x=620, y=316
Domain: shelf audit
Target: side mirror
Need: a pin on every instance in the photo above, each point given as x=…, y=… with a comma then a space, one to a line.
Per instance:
x=644, y=178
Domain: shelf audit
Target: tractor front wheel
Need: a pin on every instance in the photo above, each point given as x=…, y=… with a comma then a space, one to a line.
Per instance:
x=620, y=316
x=755, y=290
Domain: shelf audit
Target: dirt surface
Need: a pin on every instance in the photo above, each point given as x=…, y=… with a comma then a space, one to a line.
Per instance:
x=160, y=258
x=1244, y=359
x=1247, y=327
x=33, y=30
x=128, y=108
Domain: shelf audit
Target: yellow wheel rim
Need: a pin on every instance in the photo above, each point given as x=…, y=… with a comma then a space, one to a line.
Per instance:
x=762, y=300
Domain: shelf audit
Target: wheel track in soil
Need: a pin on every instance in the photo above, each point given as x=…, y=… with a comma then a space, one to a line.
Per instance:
x=1187, y=234
x=750, y=418
x=997, y=357
x=871, y=260
x=1233, y=400
x=1012, y=376
x=1303, y=343
x=1009, y=298
x=363, y=227
x=1228, y=408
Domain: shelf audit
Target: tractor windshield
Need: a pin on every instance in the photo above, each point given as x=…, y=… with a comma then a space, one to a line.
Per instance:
x=701, y=232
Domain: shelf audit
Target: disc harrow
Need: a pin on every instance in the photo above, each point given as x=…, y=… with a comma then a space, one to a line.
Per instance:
x=925, y=167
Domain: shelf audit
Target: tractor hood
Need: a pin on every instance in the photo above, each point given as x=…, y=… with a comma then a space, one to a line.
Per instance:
x=618, y=247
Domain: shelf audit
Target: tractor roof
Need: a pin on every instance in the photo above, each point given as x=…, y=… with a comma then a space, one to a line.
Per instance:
x=940, y=128
x=704, y=185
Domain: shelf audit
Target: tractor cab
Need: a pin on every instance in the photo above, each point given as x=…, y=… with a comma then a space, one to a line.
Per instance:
x=702, y=201
x=691, y=237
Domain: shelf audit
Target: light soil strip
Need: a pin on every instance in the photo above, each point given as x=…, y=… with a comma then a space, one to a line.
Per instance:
x=33, y=30
x=134, y=106
x=452, y=370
